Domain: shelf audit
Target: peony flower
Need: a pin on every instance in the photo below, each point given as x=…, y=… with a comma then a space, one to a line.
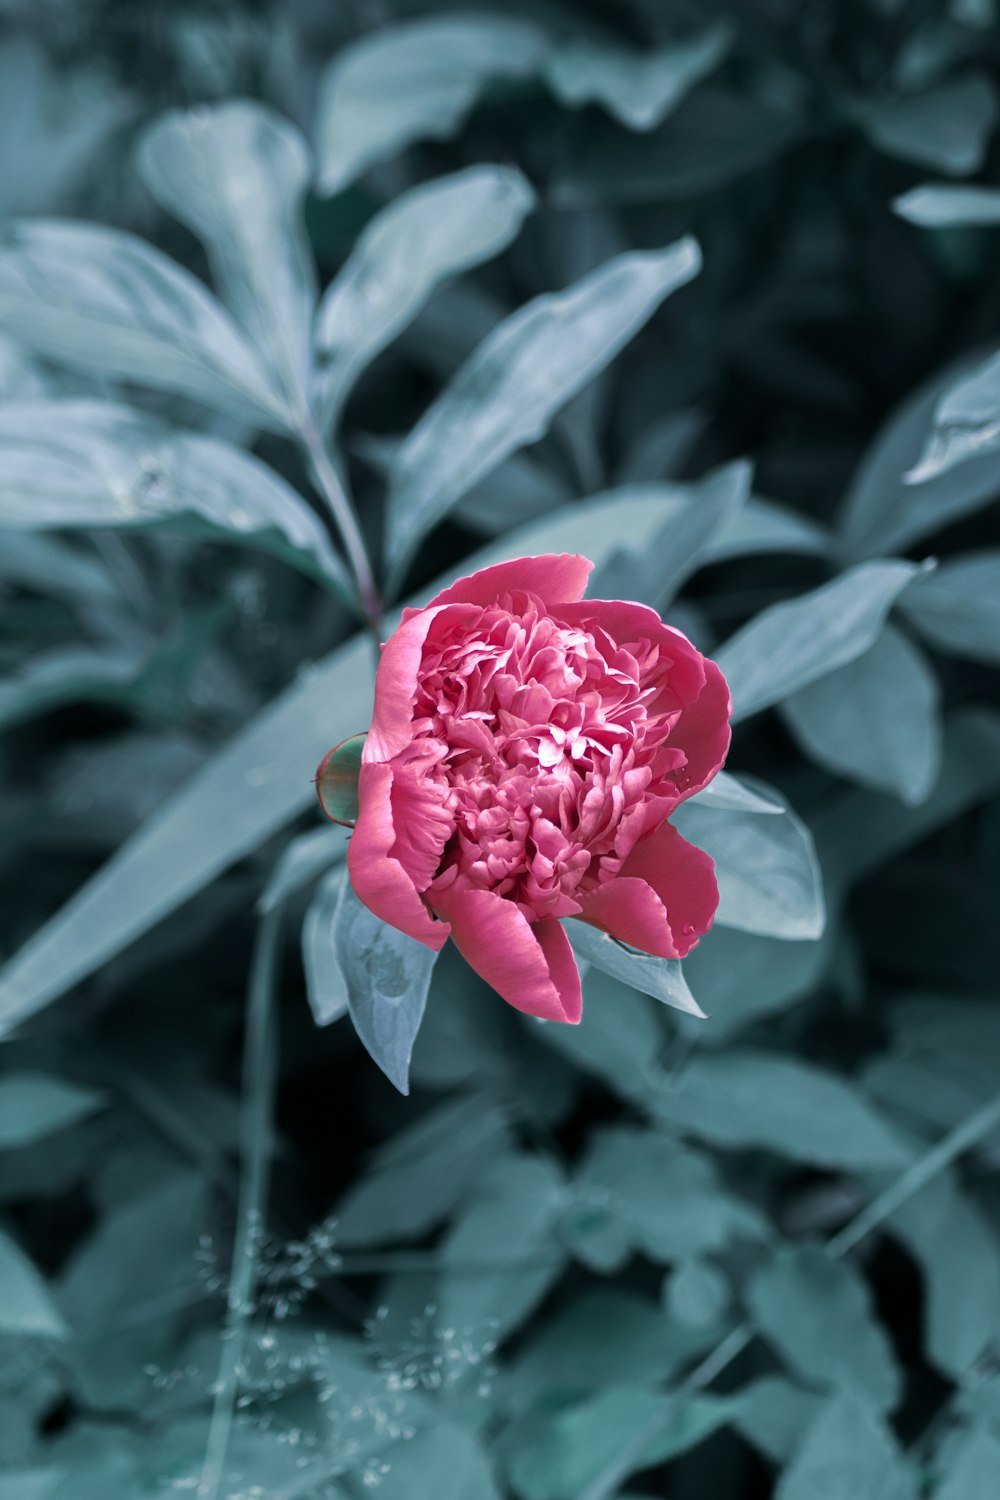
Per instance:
x=527, y=749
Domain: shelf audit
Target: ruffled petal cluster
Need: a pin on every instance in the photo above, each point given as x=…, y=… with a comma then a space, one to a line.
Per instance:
x=527, y=749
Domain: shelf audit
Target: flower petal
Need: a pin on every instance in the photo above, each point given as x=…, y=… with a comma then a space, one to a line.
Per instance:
x=530, y=965
x=683, y=877
x=555, y=578
x=395, y=687
x=378, y=878
x=703, y=731
x=630, y=910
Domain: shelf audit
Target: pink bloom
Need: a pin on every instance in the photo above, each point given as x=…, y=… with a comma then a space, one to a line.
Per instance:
x=527, y=749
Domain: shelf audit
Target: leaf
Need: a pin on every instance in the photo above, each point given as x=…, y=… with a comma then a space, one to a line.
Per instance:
x=236, y=175
x=766, y=866
x=772, y=1415
x=884, y=511
x=696, y=1293
x=638, y=89
x=337, y=780
x=619, y=1038
x=326, y=986
x=70, y=674
x=847, y=1454
x=412, y=81
x=444, y=1461
x=729, y=793
x=663, y=978
x=966, y=427
x=746, y=1100
x=304, y=859
x=947, y=128
x=36, y=1105
x=793, y=643
x=26, y=1307
x=457, y=221
x=742, y=977
x=105, y=302
x=818, y=1314
x=52, y=567
x=974, y=1462
x=959, y=1254
x=387, y=975
x=517, y=379
x=940, y=205
x=251, y=788
x=77, y=463
x=668, y=1199
x=957, y=607
x=714, y=137
x=876, y=720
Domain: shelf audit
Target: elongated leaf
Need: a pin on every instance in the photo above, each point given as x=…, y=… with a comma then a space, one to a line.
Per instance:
x=236, y=174
x=876, y=721
x=794, y=643
x=941, y=205
x=507, y=393
x=103, y=301
x=97, y=464
x=70, y=674
x=662, y=978
x=326, y=986
x=884, y=511
x=957, y=607
x=421, y=238
x=303, y=861
x=252, y=787
x=966, y=425
x=769, y=878
x=387, y=975
x=26, y=1307
x=52, y=567
x=728, y=793
x=818, y=1314
x=947, y=128
x=638, y=89
x=412, y=81
x=748, y=1099
x=36, y=1105
x=847, y=1454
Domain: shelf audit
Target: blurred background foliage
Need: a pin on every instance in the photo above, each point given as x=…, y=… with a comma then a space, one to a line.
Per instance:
x=750, y=1256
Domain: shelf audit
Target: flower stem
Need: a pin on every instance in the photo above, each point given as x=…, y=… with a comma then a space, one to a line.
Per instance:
x=329, y=484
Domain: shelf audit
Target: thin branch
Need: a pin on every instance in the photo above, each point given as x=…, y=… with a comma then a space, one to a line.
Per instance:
x=329, y=484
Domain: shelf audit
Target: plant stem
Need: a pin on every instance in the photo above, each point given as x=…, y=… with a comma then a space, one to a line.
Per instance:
x=346, y=520
x=882, y=1207
x=259, y=1080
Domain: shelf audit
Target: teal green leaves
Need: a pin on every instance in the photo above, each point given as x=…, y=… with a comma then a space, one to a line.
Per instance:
x=847, y=1454
x=638, y=89
x=966, y=424
x=26, y=1306
x=957, y=607
x=947, y=128
x=36, y=1105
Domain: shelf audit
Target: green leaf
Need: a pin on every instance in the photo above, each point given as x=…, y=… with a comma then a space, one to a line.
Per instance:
x=847, y=1454
x=729, y=793
x=818, y=1314
x=78, y=463
x=947, y=128
x=337, y=780
x=966, y=427
x=26, y=1306
x=36, y=1105
x=668, y=1199
x=884, y=511
x=387, y=975
x=973, y=1466
x=236, y=174
x=959, y=1254
x=876, y=721
x=54, y=568
x=513, y=384
x=458, y=221
x=638, y=89
x=422, y=1173
x=696, y=1294
x=304, y=859
x=742, y=977
x=957, y=607
x=620, y=1036
x=446, y=1462
x=772, y=1414
x=940, y=205
x=408, y=82
x=70, y=674
x=793, y=643
x=747, y=1100
x=663, y=978
x=105, y=302
x=326, y=986
x=766, y=866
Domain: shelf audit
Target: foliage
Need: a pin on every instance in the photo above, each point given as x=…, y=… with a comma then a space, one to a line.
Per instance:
x=706, y=293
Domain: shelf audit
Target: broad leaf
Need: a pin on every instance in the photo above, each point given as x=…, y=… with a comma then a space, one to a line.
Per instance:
x=974, y=1463
x=876, y=720
x=663, y=978
x=326, y=986
x=957, y=607
x=412, y=81
x=847, y=1454
x=36, y=1105
x=756, y=1099
x=98, y=464
x=444, y=1461
x=387, y=975
x=105, y=302
x=728, y=793
x=26, y=1306
x=947, y=128
x=456, y=221
x=508, y=391
x=818, y=1314
x=236, y=174
x=940, y=205
x=638, y=88
x=966, y=425
x=793, y=643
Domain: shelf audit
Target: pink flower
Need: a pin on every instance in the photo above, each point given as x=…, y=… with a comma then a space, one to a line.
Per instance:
x=527, y=749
